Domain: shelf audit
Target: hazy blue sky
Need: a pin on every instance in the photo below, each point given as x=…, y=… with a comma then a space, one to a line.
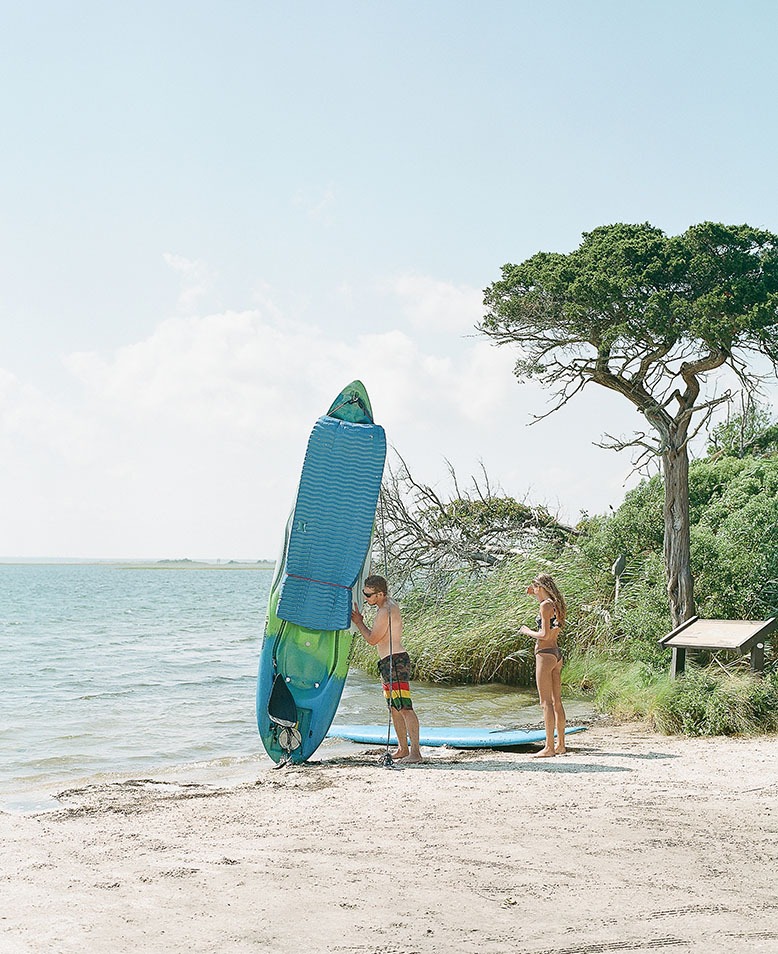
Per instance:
x=215, y=215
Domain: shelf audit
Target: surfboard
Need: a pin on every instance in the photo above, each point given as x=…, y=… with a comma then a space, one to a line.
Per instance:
x=325, y=557
x=456, y=737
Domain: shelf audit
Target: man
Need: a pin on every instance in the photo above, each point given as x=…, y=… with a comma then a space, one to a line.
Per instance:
x=394, y=664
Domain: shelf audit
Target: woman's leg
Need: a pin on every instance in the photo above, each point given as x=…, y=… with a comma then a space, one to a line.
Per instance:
x=544, y=677
x=559, y=711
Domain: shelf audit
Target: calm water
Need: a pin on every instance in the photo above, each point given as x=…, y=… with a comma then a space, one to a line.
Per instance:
x=112, y=669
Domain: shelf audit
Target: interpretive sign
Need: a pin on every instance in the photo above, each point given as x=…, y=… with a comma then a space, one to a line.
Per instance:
x=745, y=636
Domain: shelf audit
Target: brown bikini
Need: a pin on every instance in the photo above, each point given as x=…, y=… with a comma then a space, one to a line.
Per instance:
x=554, y=651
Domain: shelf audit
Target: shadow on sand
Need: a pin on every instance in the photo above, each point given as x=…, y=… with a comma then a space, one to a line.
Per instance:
x=460, y=761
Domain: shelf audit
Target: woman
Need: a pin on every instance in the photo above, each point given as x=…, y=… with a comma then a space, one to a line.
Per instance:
x=548, y=660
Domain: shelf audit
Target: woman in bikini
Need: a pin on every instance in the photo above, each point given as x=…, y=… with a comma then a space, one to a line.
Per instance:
x=548, y=659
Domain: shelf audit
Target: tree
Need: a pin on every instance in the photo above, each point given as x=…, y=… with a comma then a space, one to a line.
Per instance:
x=426, y=537
x=648, y=316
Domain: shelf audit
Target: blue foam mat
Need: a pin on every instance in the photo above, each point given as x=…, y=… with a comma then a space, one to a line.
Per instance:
x=332, y=522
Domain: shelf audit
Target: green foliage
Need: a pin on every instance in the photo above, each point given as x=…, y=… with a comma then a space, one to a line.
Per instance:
x=733, y=506
x=430, y=537
x=631, y=290
x=751, y=433
x=735, y=537
x=498, y=514
x=704, y=702
x=625, y=689
x=729, y=278
x=631, y=691
x=647, y=316
x=618, y=270
x=635, y=529
x=642, y=614
x=470, y=637
x=611, y=649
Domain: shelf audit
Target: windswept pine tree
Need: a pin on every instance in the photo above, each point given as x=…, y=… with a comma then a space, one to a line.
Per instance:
x=648, y=316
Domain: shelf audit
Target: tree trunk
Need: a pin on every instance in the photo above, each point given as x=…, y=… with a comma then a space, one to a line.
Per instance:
x=677, y=552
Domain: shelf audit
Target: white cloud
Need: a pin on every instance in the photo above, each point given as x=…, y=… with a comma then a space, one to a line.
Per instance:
x=30, y=417
x=434, y=305
x=190, y=441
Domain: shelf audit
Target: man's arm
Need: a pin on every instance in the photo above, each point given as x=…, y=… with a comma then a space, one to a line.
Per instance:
x=380, y=625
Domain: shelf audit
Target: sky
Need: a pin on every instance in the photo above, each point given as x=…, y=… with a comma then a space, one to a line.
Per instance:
x=213, y=216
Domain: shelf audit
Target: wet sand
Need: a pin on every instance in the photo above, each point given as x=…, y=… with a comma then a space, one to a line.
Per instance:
x=631, y=842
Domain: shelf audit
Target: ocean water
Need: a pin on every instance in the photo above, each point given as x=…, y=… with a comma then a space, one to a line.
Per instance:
x=113, y=670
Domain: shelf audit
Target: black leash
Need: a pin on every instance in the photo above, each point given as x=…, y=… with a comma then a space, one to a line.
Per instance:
x=386, y=760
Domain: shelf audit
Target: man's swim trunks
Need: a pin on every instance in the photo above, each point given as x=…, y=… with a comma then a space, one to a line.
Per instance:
x=400, y=679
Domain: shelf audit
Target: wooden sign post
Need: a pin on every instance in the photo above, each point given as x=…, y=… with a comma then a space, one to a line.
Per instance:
x=741, y=635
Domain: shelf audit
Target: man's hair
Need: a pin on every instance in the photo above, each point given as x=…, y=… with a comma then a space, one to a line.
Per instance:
x=377, y=583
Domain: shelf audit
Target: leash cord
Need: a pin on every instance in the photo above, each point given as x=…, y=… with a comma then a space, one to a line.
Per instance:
x=388, y=757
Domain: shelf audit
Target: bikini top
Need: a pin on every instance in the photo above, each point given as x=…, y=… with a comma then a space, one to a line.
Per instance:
x=552, y=625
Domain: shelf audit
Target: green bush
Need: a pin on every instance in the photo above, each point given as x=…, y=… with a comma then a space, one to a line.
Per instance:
x=704, y=702
x=735, y=539
x=468, y=633
x=733, y=509
x=635, y=529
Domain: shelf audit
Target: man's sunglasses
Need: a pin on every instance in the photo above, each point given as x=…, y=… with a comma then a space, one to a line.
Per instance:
x=367, y=595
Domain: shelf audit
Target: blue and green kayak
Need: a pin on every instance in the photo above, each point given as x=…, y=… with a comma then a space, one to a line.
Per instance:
x=325, y=557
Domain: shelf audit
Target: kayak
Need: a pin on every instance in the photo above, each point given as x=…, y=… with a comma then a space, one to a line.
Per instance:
x=324, y=560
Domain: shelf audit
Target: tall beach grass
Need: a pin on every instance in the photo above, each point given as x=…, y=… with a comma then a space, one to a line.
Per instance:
x=470, y=634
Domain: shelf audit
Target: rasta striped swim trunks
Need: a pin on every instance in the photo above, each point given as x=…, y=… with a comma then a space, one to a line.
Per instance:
x=400, y=678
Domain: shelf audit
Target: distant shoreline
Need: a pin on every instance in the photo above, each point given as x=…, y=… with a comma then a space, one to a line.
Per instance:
x=196, y=565
x=145, y=564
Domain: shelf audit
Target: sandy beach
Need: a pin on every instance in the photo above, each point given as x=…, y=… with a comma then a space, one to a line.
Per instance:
x=631, y=842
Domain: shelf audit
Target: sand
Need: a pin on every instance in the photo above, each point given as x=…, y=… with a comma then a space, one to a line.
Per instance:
x=632, y=842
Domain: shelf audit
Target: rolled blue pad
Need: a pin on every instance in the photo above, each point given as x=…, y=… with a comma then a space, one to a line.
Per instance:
x=332, y=522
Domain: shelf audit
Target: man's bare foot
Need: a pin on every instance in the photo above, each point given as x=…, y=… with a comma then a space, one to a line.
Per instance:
x=398, y=755
x=560, y=750
x=545, y=754
x=411, y=759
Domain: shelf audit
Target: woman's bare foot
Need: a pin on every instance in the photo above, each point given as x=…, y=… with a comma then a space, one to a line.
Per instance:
x=545, y=754
x=398, y=755
x=411, y=759
x=560, y=750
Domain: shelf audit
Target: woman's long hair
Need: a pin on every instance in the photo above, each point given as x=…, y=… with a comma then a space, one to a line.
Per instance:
x=548, y=584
